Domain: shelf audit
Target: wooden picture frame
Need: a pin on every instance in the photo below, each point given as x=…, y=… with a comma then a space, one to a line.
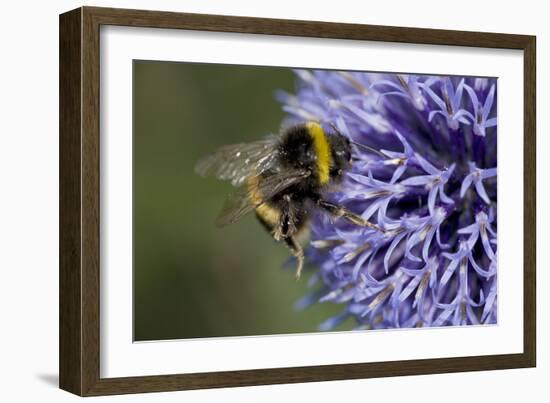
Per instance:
x=79, y=200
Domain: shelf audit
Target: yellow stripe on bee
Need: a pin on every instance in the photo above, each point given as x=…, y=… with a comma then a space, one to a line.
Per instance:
x=266, y=212
x=322, y=150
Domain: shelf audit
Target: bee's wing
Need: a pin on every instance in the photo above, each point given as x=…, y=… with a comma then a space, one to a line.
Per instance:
x=236, y=162
x=241, y=202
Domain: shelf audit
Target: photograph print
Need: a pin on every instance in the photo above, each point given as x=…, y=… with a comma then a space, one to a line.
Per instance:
x=271, y=200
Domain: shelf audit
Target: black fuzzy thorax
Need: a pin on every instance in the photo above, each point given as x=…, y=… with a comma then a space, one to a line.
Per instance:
x=296, y=151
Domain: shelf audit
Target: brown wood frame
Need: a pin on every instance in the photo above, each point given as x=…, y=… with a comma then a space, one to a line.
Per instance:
x=79, y=200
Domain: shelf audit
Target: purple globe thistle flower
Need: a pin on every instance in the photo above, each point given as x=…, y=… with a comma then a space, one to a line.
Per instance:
x=431, y=187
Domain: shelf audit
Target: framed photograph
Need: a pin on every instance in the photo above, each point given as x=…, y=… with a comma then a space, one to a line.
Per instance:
x=249, y=201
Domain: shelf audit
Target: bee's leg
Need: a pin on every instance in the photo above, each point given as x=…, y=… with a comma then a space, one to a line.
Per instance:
x=298, y=252
x=286, y=229
x=339, y=211
x=287, y=225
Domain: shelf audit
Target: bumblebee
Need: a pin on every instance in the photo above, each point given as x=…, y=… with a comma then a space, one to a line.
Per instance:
x=283, y=178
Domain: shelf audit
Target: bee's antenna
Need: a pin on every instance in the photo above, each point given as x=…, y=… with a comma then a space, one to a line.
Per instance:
x=333, y=126
x=365, y=147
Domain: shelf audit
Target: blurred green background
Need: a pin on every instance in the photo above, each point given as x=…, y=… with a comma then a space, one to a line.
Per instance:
x=192, y=279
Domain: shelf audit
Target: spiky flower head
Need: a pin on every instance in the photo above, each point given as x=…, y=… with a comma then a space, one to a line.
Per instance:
x=432, y=187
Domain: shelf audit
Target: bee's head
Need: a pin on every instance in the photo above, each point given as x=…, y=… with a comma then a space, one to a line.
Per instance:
x=341, y=153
